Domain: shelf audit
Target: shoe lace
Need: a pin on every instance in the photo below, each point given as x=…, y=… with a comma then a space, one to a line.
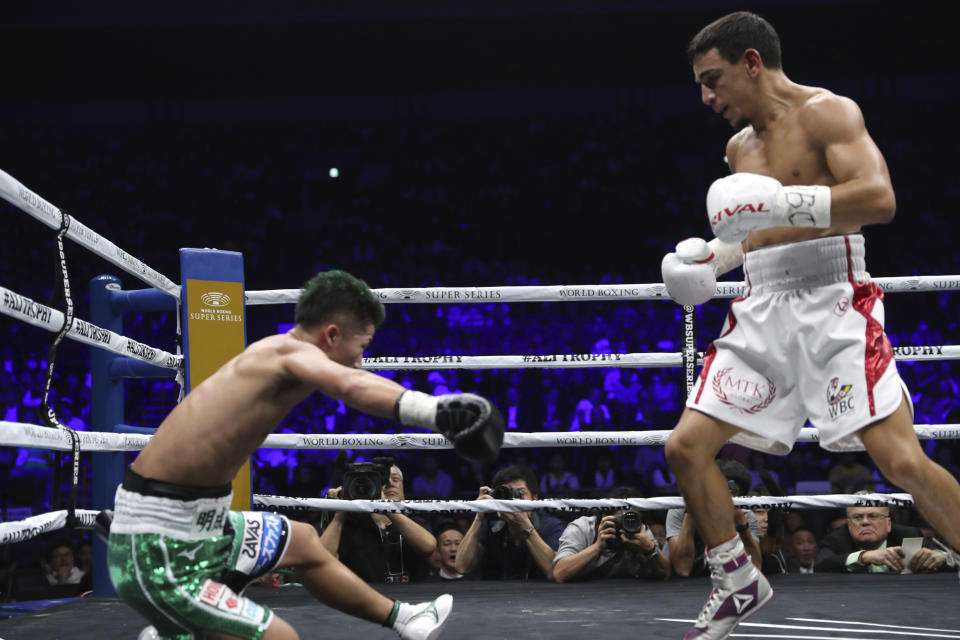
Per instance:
x=715, y=600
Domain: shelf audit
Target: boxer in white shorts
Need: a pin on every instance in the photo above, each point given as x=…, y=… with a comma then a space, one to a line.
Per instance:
x=806, y=341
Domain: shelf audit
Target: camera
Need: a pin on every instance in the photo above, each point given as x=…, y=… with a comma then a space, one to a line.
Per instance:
x=629, y=521
x=506, y=492
x=365, y=480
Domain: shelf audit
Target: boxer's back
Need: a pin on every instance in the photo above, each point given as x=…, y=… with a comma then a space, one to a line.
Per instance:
x=207, y=437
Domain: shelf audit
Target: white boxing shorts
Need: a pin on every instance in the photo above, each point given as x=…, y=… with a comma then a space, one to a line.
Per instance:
x=806, y=341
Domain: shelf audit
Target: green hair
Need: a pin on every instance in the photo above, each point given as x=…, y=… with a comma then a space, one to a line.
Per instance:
x=332, y=292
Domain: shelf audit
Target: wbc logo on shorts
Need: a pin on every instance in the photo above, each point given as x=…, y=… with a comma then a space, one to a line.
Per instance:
x=839, y=398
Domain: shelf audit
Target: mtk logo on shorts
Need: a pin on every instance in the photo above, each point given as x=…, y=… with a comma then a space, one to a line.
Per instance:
x=839, y=398
x=743, y=394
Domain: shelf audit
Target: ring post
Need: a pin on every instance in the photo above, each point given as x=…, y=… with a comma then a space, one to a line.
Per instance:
x=106, y=411
x=214, y=328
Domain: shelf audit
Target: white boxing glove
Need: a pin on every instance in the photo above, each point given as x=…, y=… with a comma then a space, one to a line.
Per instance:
x=688, y=273
x=740, y=203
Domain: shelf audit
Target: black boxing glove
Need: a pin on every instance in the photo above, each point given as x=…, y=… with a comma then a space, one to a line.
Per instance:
x=470, y=422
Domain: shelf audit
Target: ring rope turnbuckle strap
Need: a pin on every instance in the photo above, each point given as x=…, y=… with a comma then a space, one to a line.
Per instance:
x=47, y=413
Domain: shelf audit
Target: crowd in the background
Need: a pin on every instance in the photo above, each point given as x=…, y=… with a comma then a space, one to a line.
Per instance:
x=575, y=199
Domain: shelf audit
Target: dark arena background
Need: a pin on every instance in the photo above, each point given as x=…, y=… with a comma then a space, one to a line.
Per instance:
x=452, y=144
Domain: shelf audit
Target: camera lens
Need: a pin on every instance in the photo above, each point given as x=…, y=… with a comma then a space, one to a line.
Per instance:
x=503, y=492
x=632, y=522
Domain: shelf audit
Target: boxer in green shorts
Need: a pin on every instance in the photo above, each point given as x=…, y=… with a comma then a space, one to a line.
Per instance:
x=179, y=556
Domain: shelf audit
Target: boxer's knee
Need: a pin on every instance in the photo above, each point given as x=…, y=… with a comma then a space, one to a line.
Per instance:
x=904, y=468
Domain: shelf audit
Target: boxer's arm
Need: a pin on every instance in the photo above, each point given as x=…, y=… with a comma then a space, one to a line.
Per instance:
x=863, y=193
x=357, y=388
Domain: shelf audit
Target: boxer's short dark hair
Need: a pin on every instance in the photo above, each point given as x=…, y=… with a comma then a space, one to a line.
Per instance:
x=733, y=34
x=334, y=292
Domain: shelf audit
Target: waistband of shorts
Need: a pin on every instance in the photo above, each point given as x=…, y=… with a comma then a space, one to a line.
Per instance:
x=806, y=264
x=133, y=481
x=177, y=517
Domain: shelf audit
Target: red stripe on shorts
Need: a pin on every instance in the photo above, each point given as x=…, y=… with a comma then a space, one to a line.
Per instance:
x=878, y=352
x=711, y=351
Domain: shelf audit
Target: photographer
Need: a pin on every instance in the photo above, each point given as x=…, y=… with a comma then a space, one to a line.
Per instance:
x=688, y=551
x=378, y=547
x=612, y=546
x=515, y=545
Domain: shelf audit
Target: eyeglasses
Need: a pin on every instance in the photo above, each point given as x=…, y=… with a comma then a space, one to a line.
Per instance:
x=872, y=517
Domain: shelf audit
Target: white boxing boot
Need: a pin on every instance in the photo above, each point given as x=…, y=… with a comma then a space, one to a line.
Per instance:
x=424, y=620
x=739, y=590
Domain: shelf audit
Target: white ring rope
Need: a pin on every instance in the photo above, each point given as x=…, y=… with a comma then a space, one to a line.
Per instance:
x=578, y=293
x=572, y=504
x=23, y=198
x=20, y=530
x=20, y=434
x=23, y=308
x=598, y=360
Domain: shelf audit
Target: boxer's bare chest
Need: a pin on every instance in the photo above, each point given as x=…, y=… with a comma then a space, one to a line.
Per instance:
x=785, y=151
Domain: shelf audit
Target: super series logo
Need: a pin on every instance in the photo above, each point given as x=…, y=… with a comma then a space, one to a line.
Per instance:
x=214, y=306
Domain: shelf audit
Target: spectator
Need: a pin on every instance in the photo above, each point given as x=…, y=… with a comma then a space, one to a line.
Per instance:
x=380, y=547
x=432, y=482
x=558, y=482
x=60, y=565
x=872, y=543
x=552, y=413
x=849, y=476
x=449, y=538
x=517, y=544
x=771, y=536
x=802, y=554
x=85, y=556
x=596, y=547
x=511, y=412
x=66, y=415
x=623, y=389
x=591, y=414
x=604, y=475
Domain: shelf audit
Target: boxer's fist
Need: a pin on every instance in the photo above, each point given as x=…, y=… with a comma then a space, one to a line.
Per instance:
x=743, y=202
x=470, y=422
x=689, y=273
x=739, y=203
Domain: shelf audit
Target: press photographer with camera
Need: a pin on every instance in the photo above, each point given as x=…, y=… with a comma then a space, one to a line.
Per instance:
x=378, y=547
x=617, y=545
x=511, y=545
x=687, y=549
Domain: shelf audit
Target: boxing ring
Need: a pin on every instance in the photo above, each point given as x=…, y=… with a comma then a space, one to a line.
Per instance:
x=806, y=606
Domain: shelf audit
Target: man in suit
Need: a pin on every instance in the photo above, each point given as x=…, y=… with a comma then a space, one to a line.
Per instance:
x=872, y=543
